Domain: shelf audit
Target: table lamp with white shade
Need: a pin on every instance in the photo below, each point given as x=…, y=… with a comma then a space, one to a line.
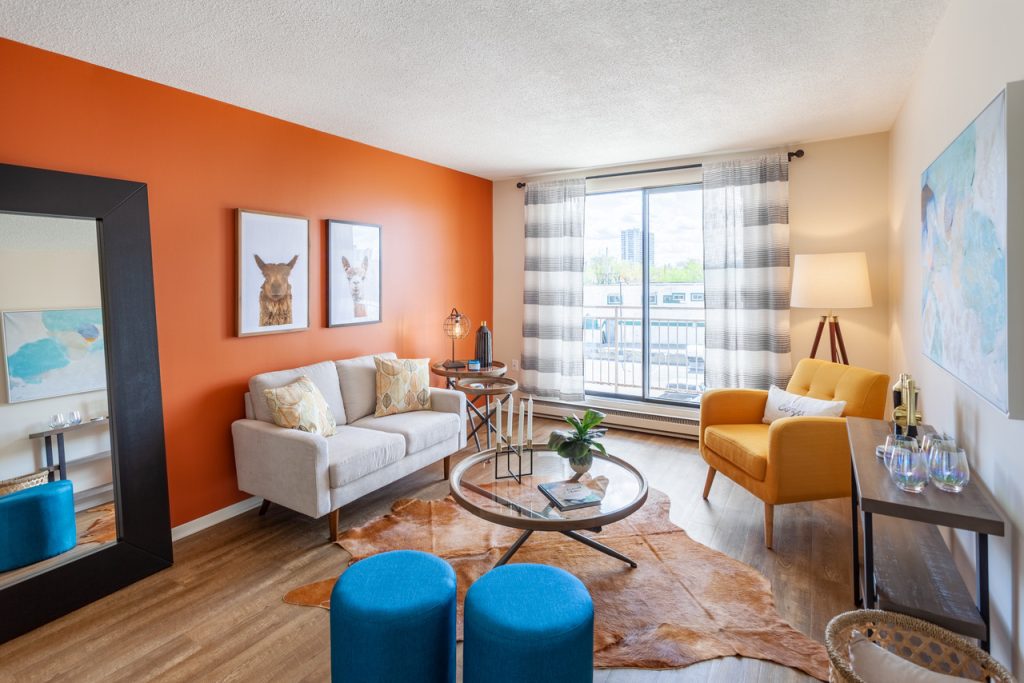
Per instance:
x=831, y=281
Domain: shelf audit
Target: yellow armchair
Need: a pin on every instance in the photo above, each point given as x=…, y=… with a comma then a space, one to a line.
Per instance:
x=794, y=459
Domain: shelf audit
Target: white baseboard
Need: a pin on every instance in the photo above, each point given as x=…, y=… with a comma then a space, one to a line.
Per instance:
x=215, y=517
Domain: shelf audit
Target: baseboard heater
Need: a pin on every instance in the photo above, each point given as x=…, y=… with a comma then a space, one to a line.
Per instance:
x=635, y=420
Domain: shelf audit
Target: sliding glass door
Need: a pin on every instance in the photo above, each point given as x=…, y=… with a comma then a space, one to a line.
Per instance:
x=644, y=294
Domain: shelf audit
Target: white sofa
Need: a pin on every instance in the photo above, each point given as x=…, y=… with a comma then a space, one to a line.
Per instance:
x=316, y=475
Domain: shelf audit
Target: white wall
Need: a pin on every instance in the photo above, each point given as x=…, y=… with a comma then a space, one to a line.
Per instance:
x=49, y=263
x=838, y=202
x=976, y=50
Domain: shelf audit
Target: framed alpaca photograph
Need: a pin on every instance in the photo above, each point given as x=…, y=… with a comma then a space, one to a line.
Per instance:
x=353, y=273
x=273, y=273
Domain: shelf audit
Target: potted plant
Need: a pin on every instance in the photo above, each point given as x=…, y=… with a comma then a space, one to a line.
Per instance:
x=578, y=444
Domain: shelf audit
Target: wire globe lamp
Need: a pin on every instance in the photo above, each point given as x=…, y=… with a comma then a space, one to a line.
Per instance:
x=456, y=326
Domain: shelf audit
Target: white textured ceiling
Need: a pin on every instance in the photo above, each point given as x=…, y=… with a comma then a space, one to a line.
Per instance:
x=24, y=232
x=502, y=88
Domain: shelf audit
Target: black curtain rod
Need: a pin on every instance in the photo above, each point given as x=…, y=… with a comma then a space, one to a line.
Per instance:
x=797, y=154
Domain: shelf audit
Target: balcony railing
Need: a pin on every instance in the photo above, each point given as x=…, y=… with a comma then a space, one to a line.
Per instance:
x=613, y=353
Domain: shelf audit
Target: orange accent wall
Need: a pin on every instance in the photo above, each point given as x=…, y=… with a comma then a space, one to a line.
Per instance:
x=202, y=159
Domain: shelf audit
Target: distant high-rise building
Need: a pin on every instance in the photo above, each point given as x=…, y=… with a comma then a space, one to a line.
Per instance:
x=632, y=243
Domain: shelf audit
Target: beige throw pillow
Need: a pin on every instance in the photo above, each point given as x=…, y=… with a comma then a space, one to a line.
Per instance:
x=300, y=405
x=402, y=385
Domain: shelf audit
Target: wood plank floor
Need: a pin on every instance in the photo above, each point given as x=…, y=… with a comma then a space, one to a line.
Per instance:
x=217, y=614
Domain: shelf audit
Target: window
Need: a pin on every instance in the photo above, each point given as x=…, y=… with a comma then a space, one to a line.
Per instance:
x=644, y=250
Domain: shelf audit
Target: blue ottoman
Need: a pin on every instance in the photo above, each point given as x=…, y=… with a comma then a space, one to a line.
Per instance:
x=528, y=623
x=393, y=620
x=36, y=523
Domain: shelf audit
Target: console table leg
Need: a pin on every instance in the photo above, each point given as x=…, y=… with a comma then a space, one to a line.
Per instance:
x=49, y=456
x=62, y=462
x=869, y=564
x=856, y=540
x=982, y=569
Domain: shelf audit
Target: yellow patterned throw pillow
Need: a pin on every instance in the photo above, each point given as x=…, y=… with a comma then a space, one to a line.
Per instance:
x=300, y=405
x=402, y=385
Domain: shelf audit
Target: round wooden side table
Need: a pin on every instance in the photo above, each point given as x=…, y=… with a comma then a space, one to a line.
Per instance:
x=486, y=388
x=452, y=378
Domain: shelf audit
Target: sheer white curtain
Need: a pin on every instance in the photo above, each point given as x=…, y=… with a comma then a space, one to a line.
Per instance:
x=552, y=362
x=747, y=272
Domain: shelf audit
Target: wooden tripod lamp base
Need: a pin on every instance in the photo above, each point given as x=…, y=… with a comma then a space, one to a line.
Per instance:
x=835, y=336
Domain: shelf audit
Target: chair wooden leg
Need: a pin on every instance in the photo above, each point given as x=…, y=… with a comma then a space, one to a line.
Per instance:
x=769, y=523
x=264, y=506
x=332, y=522
x=707, y=482
x=447, y=466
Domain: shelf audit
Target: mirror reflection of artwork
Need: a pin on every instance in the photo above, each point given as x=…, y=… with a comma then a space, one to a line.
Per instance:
x=56, y=476
x=53, y=353
x=353, y=273
x=273, y=273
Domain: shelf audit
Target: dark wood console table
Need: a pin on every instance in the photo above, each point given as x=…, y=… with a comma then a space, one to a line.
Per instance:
x=908, y=567
x=61, y=466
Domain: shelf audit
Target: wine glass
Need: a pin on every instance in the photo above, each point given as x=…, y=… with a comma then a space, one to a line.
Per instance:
x=890, y=441
x=74, y=417
x=927, y=441
x=948, y=467
x=908, y=469
x=57, y=421
x=897, y=441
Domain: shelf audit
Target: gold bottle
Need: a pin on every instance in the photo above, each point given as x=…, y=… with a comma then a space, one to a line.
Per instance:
x=906, y=414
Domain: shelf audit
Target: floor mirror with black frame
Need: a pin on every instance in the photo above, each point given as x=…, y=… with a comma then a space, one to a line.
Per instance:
x=83, y=481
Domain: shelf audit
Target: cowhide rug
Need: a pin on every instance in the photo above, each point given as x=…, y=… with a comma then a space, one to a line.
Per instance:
x=685, y=603
x=103, y=528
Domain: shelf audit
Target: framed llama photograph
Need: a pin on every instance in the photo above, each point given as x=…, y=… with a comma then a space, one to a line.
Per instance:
x=273, y=273
x=353, y=273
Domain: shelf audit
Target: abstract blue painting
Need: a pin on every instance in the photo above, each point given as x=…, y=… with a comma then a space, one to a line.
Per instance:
x=53, y=353
x=963, y=250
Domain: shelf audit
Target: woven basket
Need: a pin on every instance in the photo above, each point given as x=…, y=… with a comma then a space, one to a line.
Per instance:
x=26, y=481
x=917, y=641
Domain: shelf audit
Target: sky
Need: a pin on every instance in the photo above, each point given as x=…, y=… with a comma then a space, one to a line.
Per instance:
x=676, y=222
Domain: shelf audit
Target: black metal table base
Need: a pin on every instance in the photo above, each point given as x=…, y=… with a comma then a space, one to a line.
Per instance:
x=514, y=547
x=589, y=542
x=484, y=416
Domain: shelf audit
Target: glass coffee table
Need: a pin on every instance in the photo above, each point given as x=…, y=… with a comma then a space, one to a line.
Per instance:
x=478, y=485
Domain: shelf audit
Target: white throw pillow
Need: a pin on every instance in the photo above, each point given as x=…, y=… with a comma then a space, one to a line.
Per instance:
x=873, y=663
x=784, y=404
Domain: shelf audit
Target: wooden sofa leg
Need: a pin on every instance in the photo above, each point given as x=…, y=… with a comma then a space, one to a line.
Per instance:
x=707, y=482
x=264, y=506
x=332, y=522
x=769, y=523
x=447, y=466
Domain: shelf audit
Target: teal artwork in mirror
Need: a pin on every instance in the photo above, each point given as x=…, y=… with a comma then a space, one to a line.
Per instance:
x=53, y=353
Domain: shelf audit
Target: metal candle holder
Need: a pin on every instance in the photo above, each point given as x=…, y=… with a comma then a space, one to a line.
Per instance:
x=519, y=454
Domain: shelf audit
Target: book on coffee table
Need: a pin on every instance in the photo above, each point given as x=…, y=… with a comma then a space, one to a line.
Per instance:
x=572, y=495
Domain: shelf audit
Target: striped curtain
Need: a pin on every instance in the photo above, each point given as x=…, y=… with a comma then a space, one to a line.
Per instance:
x=746, y=272
x=553, y=290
